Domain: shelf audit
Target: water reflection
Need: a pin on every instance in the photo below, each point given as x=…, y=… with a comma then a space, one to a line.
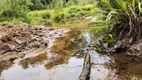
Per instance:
x=32, y=61
x=49, y=66
x=127, y=67
x=69, y=43
x=72, y=68
x=5, y=66
x=67, y=60
x=99, y=69
x=60, y=66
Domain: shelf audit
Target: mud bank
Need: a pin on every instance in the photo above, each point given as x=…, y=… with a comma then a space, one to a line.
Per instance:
x=20, y=38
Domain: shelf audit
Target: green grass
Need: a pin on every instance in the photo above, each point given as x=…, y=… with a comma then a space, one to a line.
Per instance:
x=37, y=17
x=66, y=17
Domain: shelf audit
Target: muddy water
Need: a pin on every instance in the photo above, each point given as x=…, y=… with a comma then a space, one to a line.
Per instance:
x=44, y=71
x=63, y=60
x=127, y=67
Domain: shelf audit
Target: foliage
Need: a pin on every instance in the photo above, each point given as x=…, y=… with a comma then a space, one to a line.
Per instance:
x=100, y=26
x=107, y=38
x=123, y=20
x=14, y=8
x=59, y=4
x=35, y=17
x=125, y=15
x=39, y=4
x=10, y=10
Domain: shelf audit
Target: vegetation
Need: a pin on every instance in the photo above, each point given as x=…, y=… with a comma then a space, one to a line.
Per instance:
x=123, y=21
x=119, y=18
x=11, y=9
x=25, y=11
x=118, y=21
x=57, y=16
x=127, y=17
x=39, y=4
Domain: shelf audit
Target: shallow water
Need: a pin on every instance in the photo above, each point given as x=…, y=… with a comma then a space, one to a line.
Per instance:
x=46, y=64
x=39, y=71
x=63, y=60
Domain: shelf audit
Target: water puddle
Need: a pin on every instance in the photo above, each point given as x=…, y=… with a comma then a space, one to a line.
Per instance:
x=127, y=67
x=63, y=59
x=42, y=70
x=99, y=68
x=53, y=63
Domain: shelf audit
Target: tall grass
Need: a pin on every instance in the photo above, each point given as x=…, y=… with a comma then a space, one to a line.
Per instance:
x=126, y=15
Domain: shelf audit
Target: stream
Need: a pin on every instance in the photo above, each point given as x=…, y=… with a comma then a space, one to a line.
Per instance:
x=63, y=59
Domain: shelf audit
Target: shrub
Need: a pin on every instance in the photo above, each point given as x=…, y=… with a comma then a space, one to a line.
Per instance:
x=14, y=8
x=126, y=15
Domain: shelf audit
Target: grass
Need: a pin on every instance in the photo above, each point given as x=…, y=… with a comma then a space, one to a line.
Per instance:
x=59, y=4
x=46, y=16
x=64, y=17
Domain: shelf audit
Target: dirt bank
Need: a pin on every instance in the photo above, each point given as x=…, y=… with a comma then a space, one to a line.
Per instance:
x=19, y=38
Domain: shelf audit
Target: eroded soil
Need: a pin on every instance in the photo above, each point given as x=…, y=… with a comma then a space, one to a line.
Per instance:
x=18, y=38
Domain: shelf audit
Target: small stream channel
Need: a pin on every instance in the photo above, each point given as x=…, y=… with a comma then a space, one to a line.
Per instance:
x=64, y=61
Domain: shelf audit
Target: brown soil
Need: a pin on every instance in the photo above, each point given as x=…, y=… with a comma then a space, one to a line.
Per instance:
x=18, y=38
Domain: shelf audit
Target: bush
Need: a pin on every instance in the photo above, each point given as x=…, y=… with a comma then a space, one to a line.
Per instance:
x=126, y=16
x=14, y=8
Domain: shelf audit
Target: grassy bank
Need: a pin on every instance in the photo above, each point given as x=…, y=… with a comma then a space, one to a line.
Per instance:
x=52, y=16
